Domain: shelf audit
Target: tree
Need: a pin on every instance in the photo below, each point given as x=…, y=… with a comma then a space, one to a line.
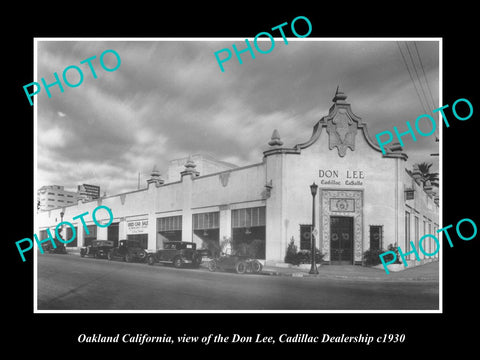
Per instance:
x=424, y=169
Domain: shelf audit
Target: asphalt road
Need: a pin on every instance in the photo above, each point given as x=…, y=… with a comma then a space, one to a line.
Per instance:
x=68, y=282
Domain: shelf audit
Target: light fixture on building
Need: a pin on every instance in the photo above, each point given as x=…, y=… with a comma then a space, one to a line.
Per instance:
x=268, y=189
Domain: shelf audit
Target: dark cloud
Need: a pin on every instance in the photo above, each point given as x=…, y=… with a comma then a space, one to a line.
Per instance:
x=169, y=99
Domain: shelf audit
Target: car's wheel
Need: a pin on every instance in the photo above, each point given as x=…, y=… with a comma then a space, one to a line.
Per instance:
x=212, y=265
x=256, y=266
x=110, y=256
x=241, y=267
x=178, y=262
x=128, y=258
x=151, y=260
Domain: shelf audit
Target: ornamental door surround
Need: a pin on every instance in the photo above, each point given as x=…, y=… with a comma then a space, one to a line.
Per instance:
x=341, y=202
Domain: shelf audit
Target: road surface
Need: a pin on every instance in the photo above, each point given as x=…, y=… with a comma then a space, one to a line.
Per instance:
x=69, y=282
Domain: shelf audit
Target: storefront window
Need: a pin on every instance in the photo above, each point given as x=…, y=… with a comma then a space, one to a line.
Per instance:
x=112, y=233
x=417, y=231
x=142, y=239
x=305, y=240
x=430, y=240
x=248, y=232
x=376, y=237
x=92, y=234
x=72, y=243
x=206, y=230
x=407, y=232
x=169, y=229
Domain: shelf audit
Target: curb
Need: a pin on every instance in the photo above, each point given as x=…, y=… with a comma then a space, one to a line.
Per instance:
x=344, y=277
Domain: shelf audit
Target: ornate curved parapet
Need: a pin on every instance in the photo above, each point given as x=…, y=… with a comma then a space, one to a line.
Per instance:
x=342, y=126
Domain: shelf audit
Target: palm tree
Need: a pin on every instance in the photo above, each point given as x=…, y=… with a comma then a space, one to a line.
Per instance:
x=424, y=169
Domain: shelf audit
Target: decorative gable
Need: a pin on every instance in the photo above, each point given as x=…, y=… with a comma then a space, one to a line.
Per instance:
x=342, y=127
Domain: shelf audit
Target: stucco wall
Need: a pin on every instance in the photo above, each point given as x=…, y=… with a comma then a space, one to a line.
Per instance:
x=378, y=185
x=239, y=185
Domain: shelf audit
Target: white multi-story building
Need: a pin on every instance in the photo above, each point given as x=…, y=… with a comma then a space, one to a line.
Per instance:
x=55, y=196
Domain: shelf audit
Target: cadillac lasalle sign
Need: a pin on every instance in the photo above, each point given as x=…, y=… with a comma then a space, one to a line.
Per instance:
x=137, y=227
x=331, y=177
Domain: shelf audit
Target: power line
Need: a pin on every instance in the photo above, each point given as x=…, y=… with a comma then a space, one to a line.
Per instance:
x=424, y=75
x=416, y=73
x=436, y=115
x=411, y=77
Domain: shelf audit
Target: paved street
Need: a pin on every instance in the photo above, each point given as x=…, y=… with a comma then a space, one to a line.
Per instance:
x=68, y=282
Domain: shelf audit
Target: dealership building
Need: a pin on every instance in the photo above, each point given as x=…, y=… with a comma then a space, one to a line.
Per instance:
x=365, y=199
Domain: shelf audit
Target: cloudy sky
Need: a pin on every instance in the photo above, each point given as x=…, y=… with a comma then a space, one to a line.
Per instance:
x=169, y=99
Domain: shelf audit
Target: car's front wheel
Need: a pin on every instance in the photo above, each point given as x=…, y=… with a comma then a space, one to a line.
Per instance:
x=178, y=262
x=241, y=267
x=256, y=266
x=151, y=260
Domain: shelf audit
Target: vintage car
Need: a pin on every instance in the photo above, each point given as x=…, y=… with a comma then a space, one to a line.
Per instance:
x=240, y=264
x=178, y=253
x=59, y=249
x=98, y=249
x=128, y=250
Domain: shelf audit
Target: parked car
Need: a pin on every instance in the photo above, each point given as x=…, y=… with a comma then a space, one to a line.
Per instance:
x=240, y=264
x=98, y=249
x=178, y=253
x=127, y=250
x=59, y=249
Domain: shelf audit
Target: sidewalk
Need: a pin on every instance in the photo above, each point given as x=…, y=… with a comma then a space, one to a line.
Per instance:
x=427, y=272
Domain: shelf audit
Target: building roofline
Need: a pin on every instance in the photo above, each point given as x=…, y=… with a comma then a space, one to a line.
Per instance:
x=229, y=170
x=208, y=157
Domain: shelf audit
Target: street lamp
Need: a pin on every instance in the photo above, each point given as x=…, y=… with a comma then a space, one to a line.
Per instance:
x=61, y=221
x=313, y=267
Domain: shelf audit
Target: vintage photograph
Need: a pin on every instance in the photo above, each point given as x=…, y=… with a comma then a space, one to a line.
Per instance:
x=227, y=175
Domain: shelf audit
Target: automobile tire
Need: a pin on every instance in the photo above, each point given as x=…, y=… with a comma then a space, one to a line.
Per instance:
x=256, y=266
x=178, y=262
x=241, y=267
x=212, y=265
x=151, y=260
